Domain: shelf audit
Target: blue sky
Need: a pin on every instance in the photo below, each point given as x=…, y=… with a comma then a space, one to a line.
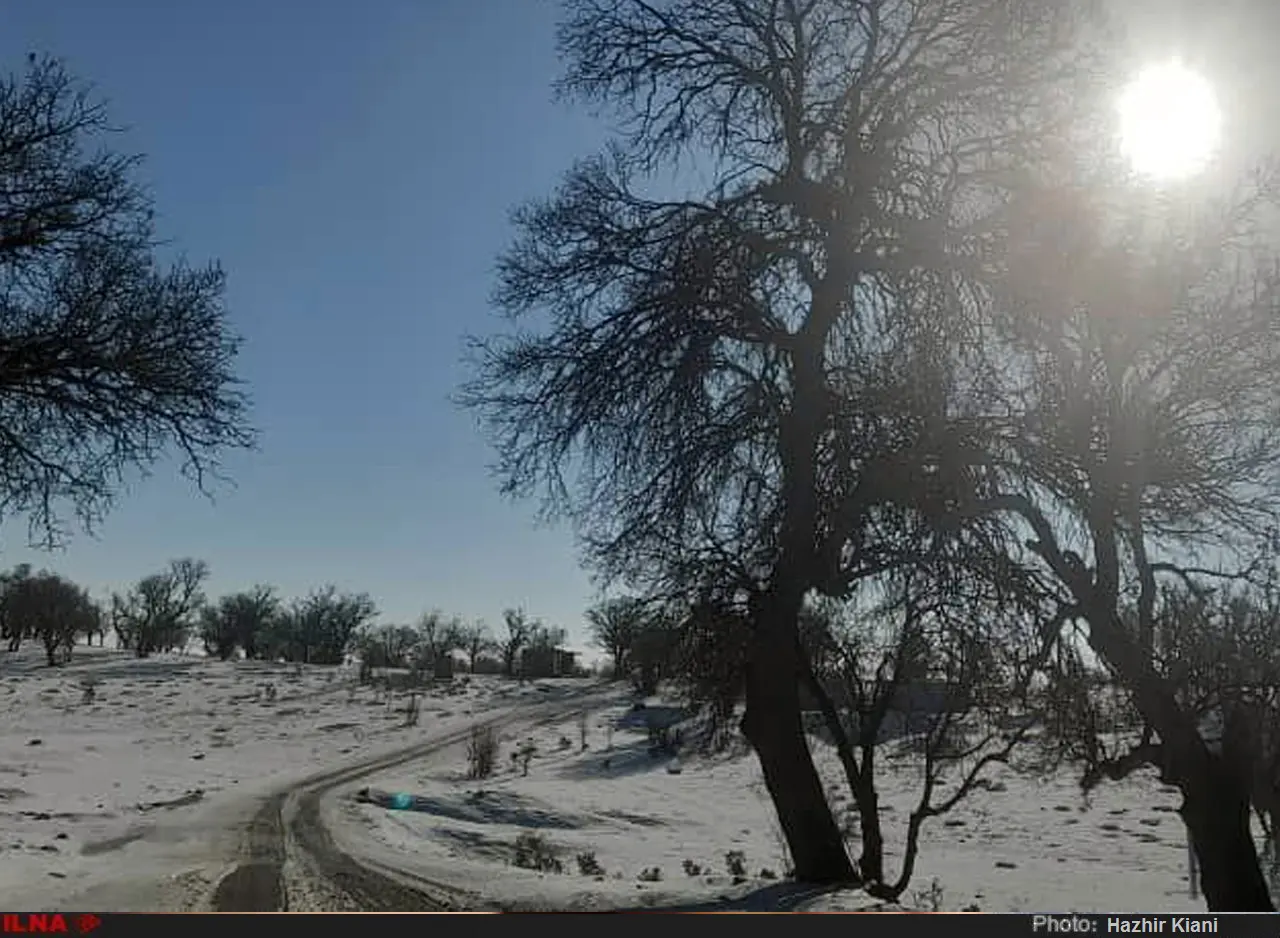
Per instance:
x=352, y=165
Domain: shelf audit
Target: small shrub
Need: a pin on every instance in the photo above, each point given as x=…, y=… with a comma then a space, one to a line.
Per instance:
x=532, y=852
x=930, y=899
x=482, y=752
x=564, y=743
x=588, y=865
x=526, y=753
x=651, y=875
x=735, y=862
x=767, y=873
x=692, y=869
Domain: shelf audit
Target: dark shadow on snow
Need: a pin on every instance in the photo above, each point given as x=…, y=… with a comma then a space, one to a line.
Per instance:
x=631, y=758
x=776, y=897
x=489, y=807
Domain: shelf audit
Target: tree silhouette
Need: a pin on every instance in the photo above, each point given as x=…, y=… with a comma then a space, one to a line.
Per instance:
x=239, y=620
x=107, y=359
x=615, y=626
x=159, y=612
x=709, y=387
x=476, y=640
x=1131, y=430
x=520, y=631
x=51, y=609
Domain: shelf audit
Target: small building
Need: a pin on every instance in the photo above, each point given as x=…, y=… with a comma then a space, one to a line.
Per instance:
x=546, y=661
x=442, y=669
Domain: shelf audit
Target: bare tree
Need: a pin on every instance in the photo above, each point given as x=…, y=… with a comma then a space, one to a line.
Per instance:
x=615, y=626
x=654, y=650
x=319, y=628
x=238, y=621
x=387, y=646
x=11, y=629
x=437, y=637
x=942, y=669
x=159, y=612
x=1134, y=427
x=704, y=347
x=475, y=641
x=1219, y=649
x=51, y=609
x=106, y=359
x=520, y=630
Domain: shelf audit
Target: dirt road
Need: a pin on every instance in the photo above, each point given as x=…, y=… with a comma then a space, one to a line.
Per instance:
x=290, y=862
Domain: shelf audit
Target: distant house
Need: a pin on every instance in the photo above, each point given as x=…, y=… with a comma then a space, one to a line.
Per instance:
x=546, y=661
x=442, y=669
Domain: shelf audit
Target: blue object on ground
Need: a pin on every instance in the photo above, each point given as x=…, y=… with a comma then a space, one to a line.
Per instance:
x=401, y=802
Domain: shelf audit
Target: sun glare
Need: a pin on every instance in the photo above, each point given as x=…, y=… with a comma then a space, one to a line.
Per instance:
x=1169, y=122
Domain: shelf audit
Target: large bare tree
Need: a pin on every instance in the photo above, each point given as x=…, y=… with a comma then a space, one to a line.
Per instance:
x=1135, y=436
x=687, y=391
x=108, y=359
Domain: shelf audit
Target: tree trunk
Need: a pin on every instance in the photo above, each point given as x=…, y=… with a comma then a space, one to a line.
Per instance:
x=861, y=779
x=1215, y=807
x=775, y=666
x=868, y=801
x=1215, y=794
x=773, y=726
x=1231, y=878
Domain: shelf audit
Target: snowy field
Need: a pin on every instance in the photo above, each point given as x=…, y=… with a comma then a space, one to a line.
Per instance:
x=113, y=768
x=112, y=763
x=1029, y=844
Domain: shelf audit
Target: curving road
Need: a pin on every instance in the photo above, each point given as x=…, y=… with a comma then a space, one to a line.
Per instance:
x=290, y=862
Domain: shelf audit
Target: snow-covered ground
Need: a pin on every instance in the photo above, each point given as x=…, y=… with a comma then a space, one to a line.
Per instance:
x=1029, y=844
x=153, y=771
x=113, y=762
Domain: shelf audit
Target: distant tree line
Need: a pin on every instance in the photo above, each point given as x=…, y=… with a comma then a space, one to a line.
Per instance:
x=436, y=637
x=165, y=611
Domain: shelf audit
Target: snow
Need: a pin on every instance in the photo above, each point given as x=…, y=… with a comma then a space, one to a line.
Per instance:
x=150, y=778
x=1029, y=844
x=87, y=787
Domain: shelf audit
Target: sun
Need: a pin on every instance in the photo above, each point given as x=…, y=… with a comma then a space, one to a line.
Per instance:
x=1169, y=122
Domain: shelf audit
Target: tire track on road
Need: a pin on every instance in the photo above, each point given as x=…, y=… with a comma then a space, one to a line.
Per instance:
x=292, y=817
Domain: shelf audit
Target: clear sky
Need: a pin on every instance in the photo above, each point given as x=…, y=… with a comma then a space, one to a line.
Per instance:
x=352, y=165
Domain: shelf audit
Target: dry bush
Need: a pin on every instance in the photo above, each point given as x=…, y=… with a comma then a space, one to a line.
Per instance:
x=533, y=852
x=482, y=752
x=588, y=865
